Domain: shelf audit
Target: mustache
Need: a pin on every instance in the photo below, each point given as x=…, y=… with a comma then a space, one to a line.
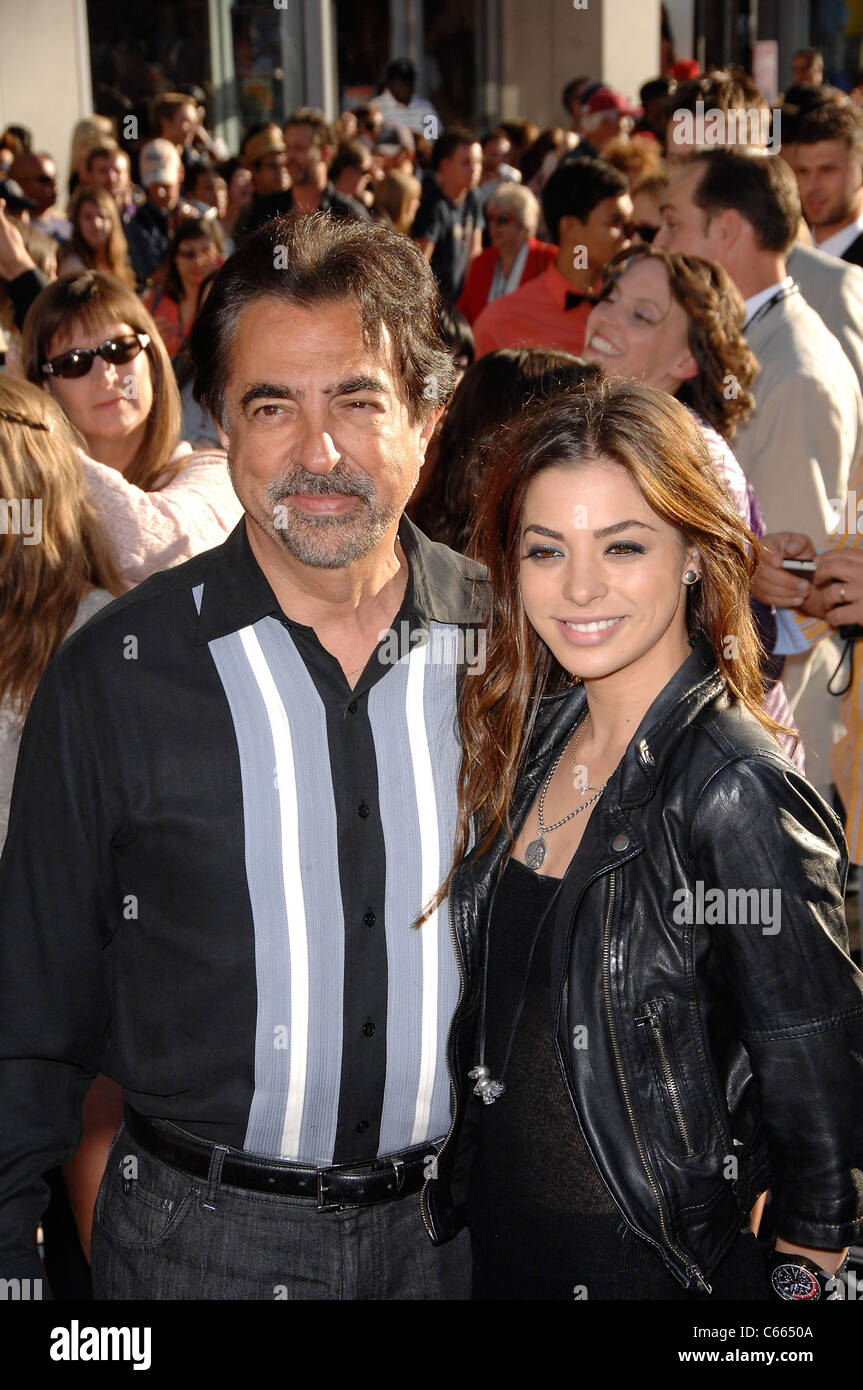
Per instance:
x=340, y=480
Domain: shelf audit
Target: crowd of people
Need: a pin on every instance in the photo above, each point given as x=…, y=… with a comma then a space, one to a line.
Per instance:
x=590, y=394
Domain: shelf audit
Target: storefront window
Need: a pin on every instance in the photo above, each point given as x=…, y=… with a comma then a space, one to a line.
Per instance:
x=139, y=49
x=258, y=62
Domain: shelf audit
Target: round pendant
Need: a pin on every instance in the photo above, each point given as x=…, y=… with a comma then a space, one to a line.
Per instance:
x=534, y=855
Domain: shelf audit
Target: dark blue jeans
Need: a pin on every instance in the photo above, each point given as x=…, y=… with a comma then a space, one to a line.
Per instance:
x=154, y=1238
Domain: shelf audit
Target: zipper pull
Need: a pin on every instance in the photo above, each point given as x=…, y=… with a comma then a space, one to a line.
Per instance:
x=695, y=1273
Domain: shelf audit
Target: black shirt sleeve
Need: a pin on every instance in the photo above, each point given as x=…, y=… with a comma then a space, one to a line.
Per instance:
x=426, y=224
x=54, y=1008
x=23, y=290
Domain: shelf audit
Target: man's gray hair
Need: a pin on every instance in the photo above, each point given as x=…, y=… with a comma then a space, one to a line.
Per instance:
x=310, y=260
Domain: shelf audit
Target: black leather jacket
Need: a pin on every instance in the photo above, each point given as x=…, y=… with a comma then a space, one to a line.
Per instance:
x=723, y=1051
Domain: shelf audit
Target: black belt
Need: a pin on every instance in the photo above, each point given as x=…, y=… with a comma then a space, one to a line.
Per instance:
x=341, y=1185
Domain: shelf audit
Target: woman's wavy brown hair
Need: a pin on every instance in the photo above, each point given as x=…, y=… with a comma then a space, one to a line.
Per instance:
x=117, y=249
x=714, y=310
x=90, y=301
x=41, y=584
x=659, y=444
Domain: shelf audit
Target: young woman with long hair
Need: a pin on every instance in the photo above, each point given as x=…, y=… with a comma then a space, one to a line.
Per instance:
x=98, y=240
x=196, y=249
x=89, y=341
x=658, y=1009
x=56, y=572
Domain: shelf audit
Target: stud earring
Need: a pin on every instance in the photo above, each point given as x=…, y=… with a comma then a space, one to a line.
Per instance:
x=691, y=577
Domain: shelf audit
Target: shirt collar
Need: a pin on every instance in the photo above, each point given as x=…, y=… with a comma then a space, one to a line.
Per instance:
x=754, y=303
x=557, y=286
x=446, y=587
x=839, y=242
x=503, y=284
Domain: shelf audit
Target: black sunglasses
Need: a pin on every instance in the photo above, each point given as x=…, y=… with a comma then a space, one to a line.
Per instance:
x=78, y=361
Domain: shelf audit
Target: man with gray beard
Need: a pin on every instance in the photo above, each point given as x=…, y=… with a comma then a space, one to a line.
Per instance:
x=246, y=771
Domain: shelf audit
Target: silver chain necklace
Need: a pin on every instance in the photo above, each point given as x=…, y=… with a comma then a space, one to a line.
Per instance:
x=534, y=855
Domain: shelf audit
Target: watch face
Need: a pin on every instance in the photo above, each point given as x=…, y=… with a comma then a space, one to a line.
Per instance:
x=793, y=1281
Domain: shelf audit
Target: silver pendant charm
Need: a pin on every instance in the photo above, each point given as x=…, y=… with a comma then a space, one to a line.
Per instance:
x=487, y=1089
x=534, y=855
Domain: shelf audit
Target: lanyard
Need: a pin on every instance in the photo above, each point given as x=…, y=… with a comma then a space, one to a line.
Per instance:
x=782, y=293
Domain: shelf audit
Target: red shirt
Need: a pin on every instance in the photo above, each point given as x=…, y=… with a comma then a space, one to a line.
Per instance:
x=166, y=313
x=474, y=296
x=534, y=315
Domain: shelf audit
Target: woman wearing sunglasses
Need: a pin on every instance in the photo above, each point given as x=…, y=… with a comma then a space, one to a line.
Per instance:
x=515, y=255
x=659, y=1018
x=89, y=341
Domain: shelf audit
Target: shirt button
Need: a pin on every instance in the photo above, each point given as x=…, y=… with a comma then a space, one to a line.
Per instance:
x=362, y=1126
x=369, y=1029
x=363, y=810
x=370, y=919
x=352, y=707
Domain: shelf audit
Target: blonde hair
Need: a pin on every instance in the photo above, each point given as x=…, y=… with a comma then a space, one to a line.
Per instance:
x=42, y=581
x=393, y=196
x=89, y=301
x=87, y=133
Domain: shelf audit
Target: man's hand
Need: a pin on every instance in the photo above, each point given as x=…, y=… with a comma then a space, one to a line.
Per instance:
x=839, y=583
x=772, y=584
x=14, y=258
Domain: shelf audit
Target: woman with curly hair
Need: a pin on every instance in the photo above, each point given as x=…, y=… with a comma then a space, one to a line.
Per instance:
x=676, y=323
x=98, y=240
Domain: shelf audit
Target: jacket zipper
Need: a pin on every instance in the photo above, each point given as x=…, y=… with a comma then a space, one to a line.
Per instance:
x=453, y=1090
x=691, y=1269
x=650, y=1018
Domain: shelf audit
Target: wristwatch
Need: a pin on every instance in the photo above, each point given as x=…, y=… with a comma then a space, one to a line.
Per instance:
x=794, y=1278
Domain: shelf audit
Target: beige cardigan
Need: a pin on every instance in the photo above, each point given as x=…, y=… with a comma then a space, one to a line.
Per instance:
x=151, y=531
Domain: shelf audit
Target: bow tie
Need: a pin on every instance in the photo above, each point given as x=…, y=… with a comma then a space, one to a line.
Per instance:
x=573, y=300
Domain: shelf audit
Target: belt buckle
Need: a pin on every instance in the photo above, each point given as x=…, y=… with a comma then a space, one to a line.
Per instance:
x=322, y=1173
x=397, y=1165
